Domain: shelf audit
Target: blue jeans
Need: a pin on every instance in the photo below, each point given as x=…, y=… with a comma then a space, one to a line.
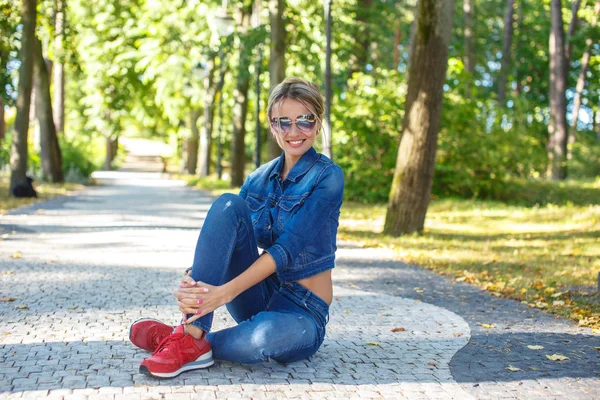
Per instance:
x=284, y=322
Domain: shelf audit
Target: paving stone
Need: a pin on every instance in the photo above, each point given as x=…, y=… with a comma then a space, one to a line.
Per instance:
x=94, y=254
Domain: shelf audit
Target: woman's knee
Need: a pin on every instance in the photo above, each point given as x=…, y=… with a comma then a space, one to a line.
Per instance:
x=229, y=202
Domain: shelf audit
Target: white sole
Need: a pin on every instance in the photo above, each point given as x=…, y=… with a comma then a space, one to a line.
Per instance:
x=204, y=361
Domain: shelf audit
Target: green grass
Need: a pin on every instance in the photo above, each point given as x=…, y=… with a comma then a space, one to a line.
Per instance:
x=44, y=190
x=547, y=257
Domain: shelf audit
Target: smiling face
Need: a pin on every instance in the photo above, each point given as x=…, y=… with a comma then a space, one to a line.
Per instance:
x=295, y=142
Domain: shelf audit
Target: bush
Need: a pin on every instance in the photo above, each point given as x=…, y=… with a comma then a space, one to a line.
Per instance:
x=80, y=158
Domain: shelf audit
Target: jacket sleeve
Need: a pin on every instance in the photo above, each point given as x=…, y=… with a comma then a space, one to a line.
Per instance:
x=325, y=199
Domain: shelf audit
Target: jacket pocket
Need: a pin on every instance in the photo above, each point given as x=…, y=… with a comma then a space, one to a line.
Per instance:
x=287, y=208
x=256, y=205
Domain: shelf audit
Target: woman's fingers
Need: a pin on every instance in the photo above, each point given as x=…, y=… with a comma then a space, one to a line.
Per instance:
x=191, y=319
x=187, y=281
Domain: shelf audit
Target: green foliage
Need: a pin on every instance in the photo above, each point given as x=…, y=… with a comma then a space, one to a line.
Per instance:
x=366, y=128
x=586, y=156
x=80, y=158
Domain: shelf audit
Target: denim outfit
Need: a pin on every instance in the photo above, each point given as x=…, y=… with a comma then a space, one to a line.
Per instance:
x=295, y=220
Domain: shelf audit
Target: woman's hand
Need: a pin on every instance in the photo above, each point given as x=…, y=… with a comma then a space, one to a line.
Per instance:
x=199, y=298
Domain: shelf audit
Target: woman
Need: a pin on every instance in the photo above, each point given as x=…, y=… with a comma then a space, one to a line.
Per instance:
x=290, y=208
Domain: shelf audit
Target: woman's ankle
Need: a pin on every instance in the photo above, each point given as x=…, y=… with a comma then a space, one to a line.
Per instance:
x=194, y=331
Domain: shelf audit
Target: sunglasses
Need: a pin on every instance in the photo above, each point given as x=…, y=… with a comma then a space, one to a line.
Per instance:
x=305, y=123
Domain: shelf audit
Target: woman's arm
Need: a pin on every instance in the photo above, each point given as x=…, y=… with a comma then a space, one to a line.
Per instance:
x=200, y=298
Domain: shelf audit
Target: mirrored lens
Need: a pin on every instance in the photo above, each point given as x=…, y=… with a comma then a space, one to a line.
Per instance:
x=305, y=125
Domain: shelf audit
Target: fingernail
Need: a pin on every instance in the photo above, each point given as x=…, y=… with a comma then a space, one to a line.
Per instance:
x=205, y=290
x=192, y=283
x=200, y=302
x=198, y=312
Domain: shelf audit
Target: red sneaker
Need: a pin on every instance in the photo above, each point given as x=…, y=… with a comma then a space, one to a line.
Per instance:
x=177, y=353
x=147, y=333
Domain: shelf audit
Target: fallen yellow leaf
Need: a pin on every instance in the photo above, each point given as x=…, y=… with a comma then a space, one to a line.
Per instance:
x=513, y=369
x=6, y=299
x=535, y=347
x=23, y=307
x=533, y=368
x=487, y=326
x=557, y=303
x=557, y=357
x=16, y=255
x=374, y=344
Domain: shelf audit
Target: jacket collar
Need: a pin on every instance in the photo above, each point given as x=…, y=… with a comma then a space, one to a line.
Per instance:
x=300, y=168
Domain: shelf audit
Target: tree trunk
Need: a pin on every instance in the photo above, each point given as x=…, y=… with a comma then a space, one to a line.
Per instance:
x=557, y=129
x=59, y=68
x=112, y=146
x=571, y=32
x=505, y=63
x=51, y=158
x=210, y=85
x=277, y=60
x=360, y=49
x=327, y=114
x=469, y=56
x=19, y=154
x=240, y=106
x=192, y=143
x=397, y=33
x=413, y=177
x=585, y=62
x=2, y=121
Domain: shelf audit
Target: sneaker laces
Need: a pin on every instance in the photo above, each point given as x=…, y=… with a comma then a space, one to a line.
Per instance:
x=156, y=337
x=174, y=339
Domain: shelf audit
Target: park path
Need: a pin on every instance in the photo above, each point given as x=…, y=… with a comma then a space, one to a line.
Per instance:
x=81, y=268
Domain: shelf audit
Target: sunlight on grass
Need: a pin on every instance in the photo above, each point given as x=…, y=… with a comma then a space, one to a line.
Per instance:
x=547, y=257
x=45, y=191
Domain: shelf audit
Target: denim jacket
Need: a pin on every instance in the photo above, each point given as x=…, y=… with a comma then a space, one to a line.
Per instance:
x=295, y=220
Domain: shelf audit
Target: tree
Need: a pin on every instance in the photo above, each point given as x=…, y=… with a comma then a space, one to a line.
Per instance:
x=277, y=60
x=413, y=177
x=469, y=56
x=585, y=62
x=19, y=153
x=192, y=143
x=240, y=96
x=210, y=87
x=557, y=129
x=50, y=150
x=59, y=66
x=508, y=33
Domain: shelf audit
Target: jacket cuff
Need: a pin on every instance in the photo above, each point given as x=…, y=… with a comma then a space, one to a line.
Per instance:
x=280, y=256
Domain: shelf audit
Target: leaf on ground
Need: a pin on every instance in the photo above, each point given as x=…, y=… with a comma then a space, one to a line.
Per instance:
x=597, y=348
x=461, y=279
x=536, y=347
x=22, y=307
x=346, y=311
x=433, y=364
x=533, y=368
x=513, y=369
x=557, y=357
x=354, y=286
x=8, y=272
x=5, y=236
x=596, y=331
x=374, y=344
x=458, y=334
x=398, y=330
x=418, y=290
x=16, y=255
x=487, y=326
x=7, y=299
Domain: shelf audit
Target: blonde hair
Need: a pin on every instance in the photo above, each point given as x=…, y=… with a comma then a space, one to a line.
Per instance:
x=301, y=90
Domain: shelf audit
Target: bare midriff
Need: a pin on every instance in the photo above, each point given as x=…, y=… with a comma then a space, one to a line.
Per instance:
x=320, y=285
